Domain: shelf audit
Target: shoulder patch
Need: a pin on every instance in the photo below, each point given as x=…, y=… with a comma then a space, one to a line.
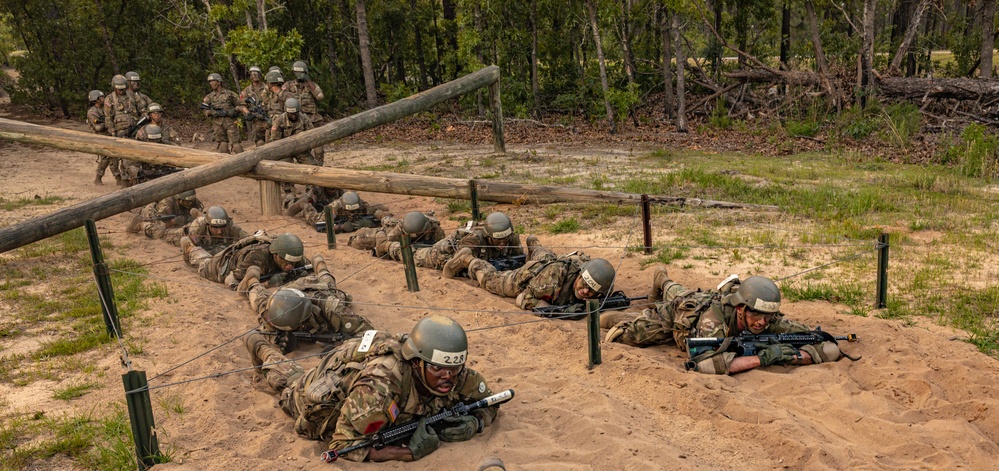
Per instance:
x=393, y=411
x=369, y=336
x=482, y=388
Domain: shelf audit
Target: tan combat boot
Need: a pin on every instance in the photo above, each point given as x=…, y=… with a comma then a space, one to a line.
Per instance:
x=253, y=341
x=186, y=246
x=532, y=242
x=658, y=280
x=296, y=207
x=458, y=262
x=134, y=224
x=386, y=246
x=97, y=180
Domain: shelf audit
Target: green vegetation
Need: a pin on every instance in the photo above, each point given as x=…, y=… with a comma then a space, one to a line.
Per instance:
x=10, y=205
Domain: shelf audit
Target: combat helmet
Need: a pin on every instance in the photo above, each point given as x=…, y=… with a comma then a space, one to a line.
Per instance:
x=94, y=95
x=498, y=225
x=255, y=68
x=119, y=82
x=292, y=105
x=415, y=222
x=215, y=77
x=132, y=76
x=439, y=341
x=188, y=195
x=598, y=274
x=274, y=76
x=287, y=309
x=759, y=294
x=300, y=69
x=155, y=108
x=217, y=216
x=350, y=200
x=274, y=68
x=154, y=133
x=289, y=247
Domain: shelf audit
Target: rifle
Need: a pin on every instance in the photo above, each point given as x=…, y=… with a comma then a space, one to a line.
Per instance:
x=399, y=432
x=748, y=343
x=613, y=302
x=146, y=174
x=509, y=263
x=256, y=111
x=321, y=225
x=130, y=132
x=294, y=273
x=221, y=113
x=288, y=340
x=165, y=217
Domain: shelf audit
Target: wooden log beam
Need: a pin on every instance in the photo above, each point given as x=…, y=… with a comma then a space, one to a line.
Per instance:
x=958, y=88
x=219, y=169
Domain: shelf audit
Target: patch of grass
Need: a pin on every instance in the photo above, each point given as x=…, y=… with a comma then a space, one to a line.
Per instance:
x=10, y=205
x=172, y=403
x=977, y=311
x=74, y=391
x=851, y=294
x=565, y=226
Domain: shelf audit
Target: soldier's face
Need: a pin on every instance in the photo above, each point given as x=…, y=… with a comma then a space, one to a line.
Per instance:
x=100, y=102
x=441, y=378
x=216, y=231
x=135, y=85
x=214, y=84
x=755, y=322
x=255, y=76
x=283, y=264
x=583, y=291
x=155, y=116
x=293, y=116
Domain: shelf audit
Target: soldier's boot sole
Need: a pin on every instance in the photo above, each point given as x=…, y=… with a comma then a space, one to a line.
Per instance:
x=134, y=224
x=459, y=262
x=660, y=278
x=253, y=341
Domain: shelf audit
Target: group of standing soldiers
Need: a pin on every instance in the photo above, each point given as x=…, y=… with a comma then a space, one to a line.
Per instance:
x=272, y=110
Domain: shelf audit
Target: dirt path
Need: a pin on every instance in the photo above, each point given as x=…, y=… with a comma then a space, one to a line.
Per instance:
x=917, y=399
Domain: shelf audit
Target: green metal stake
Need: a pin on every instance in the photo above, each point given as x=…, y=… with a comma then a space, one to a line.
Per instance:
x=108, y=307
x=407, y=259
x=140, y=413
x=330, y=231
x=473, y=196
x=593, y=333
x=882, y=294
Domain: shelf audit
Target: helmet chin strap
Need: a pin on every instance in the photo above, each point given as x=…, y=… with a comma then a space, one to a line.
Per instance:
x=422, y=375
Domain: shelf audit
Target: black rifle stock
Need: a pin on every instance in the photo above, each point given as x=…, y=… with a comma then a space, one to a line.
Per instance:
x=130, y=132
x=321, y=225
x=221, y=113
x=615, y=301
x=509, y=263
x=294, y=273
x=257, y=112
x=748, y=343
x=399, y=432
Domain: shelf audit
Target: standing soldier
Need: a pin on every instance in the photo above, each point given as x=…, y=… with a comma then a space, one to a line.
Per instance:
x=223, y=107
x=156, y=117
x=120, y=113
x=308, y=93
x=142, y=101
x=95, y=118
x=275, y=96
x=287, y=124
x=255, y=91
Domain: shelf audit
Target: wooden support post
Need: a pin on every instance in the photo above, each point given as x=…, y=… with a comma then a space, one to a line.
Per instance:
x=647, y=223
x=593, y=331
x=881, y=300
x=140, y=413
x=407, y=259
x=499, y=146
x=473, y=196
x=330, y=228
x=271, y=198
x=103, y=278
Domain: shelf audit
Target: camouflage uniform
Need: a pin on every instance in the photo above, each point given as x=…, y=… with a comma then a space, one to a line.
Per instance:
x=98, y=125
x=308, y=93
x=198, y=231
x=225, y=127
x=356, y=391
x=134, y=171
x=121, y=112
x=545, y=277
x=273, y=102
x=330, y=310
x=474, y=238
x=141, y=101
x=257, y=128
x=229, y=266
x=315, y=196
x=347, y=221
x=681, y=313
x=170, y=230
x=282, y=127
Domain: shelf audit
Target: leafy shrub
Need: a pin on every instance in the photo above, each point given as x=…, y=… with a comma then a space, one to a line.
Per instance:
x=975, y=153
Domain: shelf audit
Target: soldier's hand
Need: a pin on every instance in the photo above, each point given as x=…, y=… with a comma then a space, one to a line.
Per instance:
x=424, y=441
x=777, y=354
x=277, y=280
x=459, y=429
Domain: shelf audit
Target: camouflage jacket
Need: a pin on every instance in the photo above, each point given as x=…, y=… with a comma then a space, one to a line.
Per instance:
x=306, y=95
x=718, y=321
x=283, y=127
x=253, y=91
x=365, y=385
x=169, y=135
x=550, y=280
x=198, y=231
x=329, y=312
x=426, y=239
x=120, y=112
x=255, y=253
x=141, y=100
x=273, y=102
x=223, y=100
x=169, y=206
x=95, y=119
x=475, y=238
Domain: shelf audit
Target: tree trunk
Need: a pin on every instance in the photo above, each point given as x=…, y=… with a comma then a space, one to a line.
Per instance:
x=681, y=62
x=910, y=34
x=867, y=51
x=535, y=87
x=629, y=60
x=364, y=43
x=669, y=99
x=832, y=94
x=107, y=39
x=418, y=38
x=785, y=35
x=603, y=66
x=220, y=37
x=262, y=14
x=988, y=38
x=477, y=12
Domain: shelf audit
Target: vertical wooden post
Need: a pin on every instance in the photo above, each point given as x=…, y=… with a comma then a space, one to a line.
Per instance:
x=270, y=198
x=593, y=331
x=497, y=108
x=330, y=228
x=647, y=223
x=881, y=301
x=103, y=278
x=473, y=197
x=407, y=259
x=140, y=413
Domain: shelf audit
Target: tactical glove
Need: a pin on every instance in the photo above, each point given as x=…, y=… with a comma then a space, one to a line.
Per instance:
x=277, y=280
x=424, y=441
x=459, y=429
x=777, y=354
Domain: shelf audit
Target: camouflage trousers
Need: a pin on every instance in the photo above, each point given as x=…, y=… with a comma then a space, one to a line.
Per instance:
x=433, y=257
x=103, y=162
x=508, y=283
x=278, y=370
x=257, y=132
x=159, y=230
x=654, y=326
x=367, y=238
x=212, y=268
x=227, y=136
x=318, y=153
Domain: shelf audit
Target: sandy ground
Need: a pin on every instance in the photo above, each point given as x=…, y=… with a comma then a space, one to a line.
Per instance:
x=918, y=399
